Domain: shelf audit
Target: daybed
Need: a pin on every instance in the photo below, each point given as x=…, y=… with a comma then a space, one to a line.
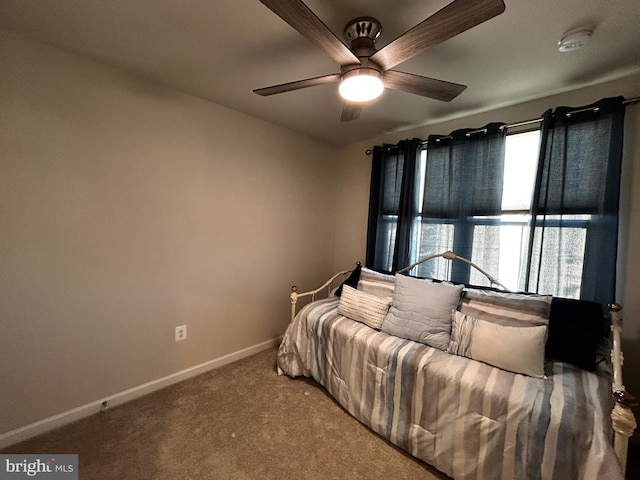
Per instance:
x=479, y=383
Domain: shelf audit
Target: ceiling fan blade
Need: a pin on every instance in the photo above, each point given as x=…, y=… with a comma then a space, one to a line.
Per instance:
x=301, y=18
x=350, y=111
x=288, y=87
x=455, y=18
x=425, y=86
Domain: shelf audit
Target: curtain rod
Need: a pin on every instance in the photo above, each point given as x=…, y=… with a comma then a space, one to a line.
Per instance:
x=630, y=101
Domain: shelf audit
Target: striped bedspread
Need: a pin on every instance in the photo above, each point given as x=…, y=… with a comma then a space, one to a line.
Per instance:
x=466, y=418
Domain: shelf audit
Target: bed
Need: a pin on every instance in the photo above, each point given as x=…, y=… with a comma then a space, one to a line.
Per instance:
x=454, y=397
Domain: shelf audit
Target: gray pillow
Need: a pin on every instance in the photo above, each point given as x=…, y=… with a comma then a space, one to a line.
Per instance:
x=505, y=308
x=421, y=311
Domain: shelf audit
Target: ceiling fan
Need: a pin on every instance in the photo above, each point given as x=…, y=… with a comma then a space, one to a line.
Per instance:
x=366, y=71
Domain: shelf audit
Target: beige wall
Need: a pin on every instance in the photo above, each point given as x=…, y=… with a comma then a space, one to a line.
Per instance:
x=353, y=190
x=127, y=209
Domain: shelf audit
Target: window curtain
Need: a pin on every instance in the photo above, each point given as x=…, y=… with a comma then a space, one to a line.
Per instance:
x=576, y=200
x=463, y=181
x=393, y=204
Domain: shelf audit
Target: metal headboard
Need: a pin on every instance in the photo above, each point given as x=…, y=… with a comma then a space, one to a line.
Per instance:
x=448, y=255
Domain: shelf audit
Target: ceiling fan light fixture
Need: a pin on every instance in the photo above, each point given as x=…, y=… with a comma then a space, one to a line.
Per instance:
x=361, y=85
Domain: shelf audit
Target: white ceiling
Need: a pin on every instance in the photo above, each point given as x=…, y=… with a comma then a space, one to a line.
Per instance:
x=221, y=50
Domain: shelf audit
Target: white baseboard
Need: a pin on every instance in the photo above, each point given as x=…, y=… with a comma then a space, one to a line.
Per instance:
x=42, y=426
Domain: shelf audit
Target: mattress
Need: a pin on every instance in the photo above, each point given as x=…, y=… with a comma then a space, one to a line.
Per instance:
x=466, y=418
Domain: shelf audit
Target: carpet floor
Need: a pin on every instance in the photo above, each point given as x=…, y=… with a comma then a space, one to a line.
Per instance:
x=240, y=421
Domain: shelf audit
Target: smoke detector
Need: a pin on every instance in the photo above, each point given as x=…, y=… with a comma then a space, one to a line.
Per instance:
x=575, y=39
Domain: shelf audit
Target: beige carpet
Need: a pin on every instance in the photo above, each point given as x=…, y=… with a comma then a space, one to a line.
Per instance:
x=240, y=421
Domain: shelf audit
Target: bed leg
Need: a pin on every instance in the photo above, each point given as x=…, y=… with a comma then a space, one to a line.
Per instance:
x=624, y=424
x=294, y=300
x=624, y=421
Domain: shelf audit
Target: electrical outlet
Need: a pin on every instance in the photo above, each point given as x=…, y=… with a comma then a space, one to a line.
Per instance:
x=181, y=333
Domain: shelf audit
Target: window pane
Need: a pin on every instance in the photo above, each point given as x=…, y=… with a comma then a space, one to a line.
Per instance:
x=521, y=159
x=386, y=240
x=434, y=238
x=558, y=269
x=514, y=242
x=486, y=252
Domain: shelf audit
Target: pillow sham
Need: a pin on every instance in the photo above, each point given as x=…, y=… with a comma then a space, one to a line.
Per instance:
x=421, y=311
x=376, y=283
x=516, y=349
x=504, y=308
x=363, y=307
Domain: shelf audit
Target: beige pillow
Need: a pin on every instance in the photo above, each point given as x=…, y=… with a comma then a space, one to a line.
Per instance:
x=363, y=307
x=516, y=349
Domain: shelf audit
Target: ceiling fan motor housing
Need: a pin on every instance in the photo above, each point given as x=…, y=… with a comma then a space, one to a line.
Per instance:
x=362, y=27
x=361, y=34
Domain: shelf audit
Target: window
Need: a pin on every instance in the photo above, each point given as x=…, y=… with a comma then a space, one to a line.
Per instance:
x=536, y=209
x=509, y=231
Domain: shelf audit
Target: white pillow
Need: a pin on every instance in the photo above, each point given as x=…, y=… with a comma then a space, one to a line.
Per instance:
x=516, y=349
x=363, y=307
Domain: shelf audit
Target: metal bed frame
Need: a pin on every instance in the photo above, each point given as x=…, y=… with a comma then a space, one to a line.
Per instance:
x=623, y=419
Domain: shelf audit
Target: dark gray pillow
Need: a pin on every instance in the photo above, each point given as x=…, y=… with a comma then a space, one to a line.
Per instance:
x=575, y=329
x=352, y=281
x=421, y=311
